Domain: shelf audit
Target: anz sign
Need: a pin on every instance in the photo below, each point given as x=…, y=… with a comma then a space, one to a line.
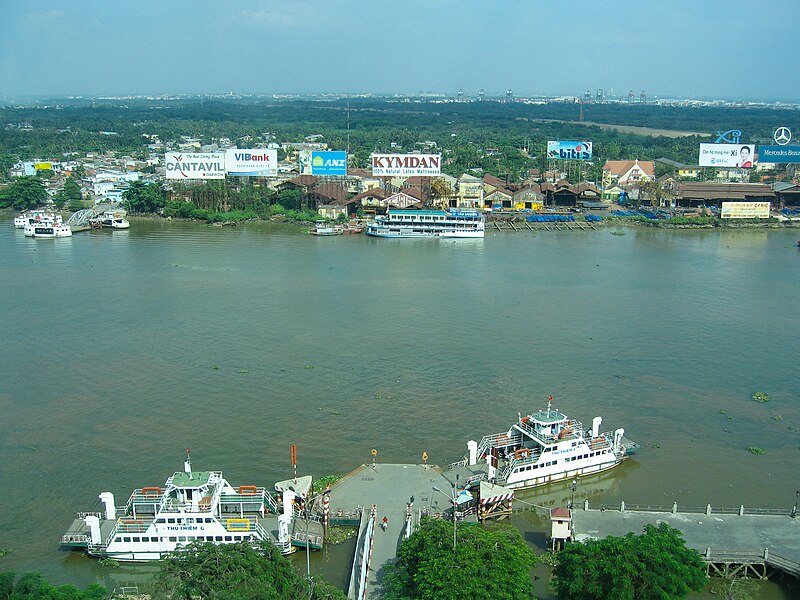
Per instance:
x=329, y=163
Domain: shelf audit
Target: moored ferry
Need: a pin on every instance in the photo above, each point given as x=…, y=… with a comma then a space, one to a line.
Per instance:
x=191, y=506
x=33, y=217
x=428, y=223
x=47, y=230
x=547, y=446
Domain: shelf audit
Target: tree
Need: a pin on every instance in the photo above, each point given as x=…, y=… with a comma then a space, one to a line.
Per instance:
x=32, y=586
x=25, y=193
x=486, y=563
x=144, y=197
x=656, y=565
x=72, y=190
x=235, y=571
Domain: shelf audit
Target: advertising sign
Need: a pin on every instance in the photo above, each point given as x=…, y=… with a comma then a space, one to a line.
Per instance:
x=779, y=154
x=195, y=165
x=727, y=155
x=406, y=165
x=569, y=150
x=744, y=210
x=304, y=161
x=329, y=163
x=258, y=162
x=43, y=166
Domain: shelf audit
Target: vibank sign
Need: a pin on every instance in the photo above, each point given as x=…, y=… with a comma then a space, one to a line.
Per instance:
x=259, y=162
x=406, y=165
x=195, y=165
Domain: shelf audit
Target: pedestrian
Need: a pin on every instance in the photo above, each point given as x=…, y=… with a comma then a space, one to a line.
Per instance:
x=385, y=523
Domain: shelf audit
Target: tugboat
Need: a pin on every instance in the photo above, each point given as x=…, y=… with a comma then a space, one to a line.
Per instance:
x=191, y=506
x=544, y=447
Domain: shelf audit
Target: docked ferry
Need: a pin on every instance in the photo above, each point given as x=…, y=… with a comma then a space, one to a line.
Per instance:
x=428, y=223
x=47, y=230
x=548, y=446
x=191, y=506
x=33, y=217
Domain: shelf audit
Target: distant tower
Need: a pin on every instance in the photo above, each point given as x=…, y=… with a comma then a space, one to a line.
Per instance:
x=509, y=96
x=481, y=94
x=461, y=95
x=587, y=96
x=599, y=95
x=631, y=97
x=643, y=97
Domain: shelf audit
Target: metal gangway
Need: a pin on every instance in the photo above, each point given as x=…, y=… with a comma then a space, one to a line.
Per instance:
x=79, y=221
x=357, y=590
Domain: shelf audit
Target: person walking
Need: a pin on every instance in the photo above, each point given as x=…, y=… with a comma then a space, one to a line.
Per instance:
x=385, y=523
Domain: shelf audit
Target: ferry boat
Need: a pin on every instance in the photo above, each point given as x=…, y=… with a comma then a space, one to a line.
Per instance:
x=36, y=216
x=110, y=220
x=428, y=223
x=191, y=506
x=547, y=446
x=324, y=228
x=47, y=230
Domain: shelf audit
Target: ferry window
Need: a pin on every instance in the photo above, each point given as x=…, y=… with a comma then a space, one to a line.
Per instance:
x=160, y=521
x=209, y=538
x=228, y=538
x=126, y=539
x=173, y=539
x=218, y=538
x=181, y=538
x=574, y=444
x=188, y=520
x=170, y=520
x=207, y=520
x=136, y=539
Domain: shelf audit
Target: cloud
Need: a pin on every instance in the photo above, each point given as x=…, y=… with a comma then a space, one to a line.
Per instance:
x=38, y=19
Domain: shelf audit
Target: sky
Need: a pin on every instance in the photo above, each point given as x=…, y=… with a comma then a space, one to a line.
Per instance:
x=670, y=48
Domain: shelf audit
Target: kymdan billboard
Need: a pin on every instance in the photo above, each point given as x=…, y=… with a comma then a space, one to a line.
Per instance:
x=779, y=154
x=727, y=155
x=329, y=163
x=406, y=165
x=195, y=165
x=258, y=162
x=569, y=150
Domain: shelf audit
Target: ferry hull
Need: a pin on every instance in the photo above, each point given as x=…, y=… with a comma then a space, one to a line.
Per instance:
x=414, y=234
x=528, y=484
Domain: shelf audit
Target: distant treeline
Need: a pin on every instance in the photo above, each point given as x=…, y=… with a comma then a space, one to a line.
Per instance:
x=490, y=136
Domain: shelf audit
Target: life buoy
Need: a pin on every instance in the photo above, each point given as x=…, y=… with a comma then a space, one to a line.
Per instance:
x=249, y=490
x=151, y=491
x=522, y=453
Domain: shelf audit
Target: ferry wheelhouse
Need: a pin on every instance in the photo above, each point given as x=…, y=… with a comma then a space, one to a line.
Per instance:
x=548, y=446
x=192, y=506
x=428, y=223
x=34, y=217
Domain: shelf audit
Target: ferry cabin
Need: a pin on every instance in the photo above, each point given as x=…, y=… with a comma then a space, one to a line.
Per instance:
x=428, y=223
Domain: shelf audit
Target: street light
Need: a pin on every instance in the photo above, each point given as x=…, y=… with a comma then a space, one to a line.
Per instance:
x=573, y=486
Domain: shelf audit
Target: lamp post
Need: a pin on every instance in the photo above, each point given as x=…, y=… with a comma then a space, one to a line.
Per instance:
x=573, y=486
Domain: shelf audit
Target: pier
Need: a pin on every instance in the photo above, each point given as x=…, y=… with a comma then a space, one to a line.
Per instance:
x=512, y=226
x=741, y=541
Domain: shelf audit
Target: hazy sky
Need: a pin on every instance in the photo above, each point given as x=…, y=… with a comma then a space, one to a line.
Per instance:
x=700, y=48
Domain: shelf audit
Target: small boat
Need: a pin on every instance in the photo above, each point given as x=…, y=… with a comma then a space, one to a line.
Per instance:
x=544, y=447
x=324, y=228
x=110, y=220
x=47, y=230
x=36, y=216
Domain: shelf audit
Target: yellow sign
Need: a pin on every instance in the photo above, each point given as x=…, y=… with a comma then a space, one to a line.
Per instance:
x=744, y=210
x=374, y=452
x=425, y=456
x=238, y=525
x=43, y=166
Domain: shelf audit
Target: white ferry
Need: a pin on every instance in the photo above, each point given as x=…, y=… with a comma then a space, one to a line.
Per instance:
x=428, y=223
x=325, y=228
x=192, y=506
x=547, y=446
x=111, y=220
x=36, y=216
x=47, y=230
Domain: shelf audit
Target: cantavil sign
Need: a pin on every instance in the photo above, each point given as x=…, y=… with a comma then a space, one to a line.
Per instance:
x=329, y=163
x=744, y=210
x=190, y=165
x=727, y=155
x=258, y=162
x=569, y=150
x=406, y=165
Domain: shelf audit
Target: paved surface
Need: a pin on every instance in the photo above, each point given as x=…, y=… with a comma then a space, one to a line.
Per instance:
x=781, y=534
x=390, y=487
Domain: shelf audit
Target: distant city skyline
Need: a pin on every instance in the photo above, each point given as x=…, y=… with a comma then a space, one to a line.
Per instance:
x=672, y=49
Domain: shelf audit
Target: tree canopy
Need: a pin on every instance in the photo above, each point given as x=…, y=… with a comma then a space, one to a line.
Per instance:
x=144, y=197
x=487, y=563
x=235, y=572
x=656, y=565
x=24, y=193
x=32, y=586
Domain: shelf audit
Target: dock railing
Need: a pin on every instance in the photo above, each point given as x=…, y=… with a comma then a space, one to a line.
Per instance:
x=708, y=509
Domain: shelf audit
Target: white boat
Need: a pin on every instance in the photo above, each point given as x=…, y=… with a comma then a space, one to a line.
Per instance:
x=324, y=228
x=191, y=506
x=547, y=446
x=36, y=216
x=428, y=223
x=110, y=220
x=47, y=230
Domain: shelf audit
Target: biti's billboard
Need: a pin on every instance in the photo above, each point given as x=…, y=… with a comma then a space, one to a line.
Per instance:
x=329, y=163
x=406, y=165
x=569, y=150
x=258, y=162
x=195, y=165
x=727, y=155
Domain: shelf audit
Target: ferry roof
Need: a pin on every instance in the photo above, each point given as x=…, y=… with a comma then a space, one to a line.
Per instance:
x=548, y=416
x=191, y=480
x=417, y=212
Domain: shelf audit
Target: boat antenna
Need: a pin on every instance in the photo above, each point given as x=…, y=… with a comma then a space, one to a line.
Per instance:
x=549, y=403
x=187, y=465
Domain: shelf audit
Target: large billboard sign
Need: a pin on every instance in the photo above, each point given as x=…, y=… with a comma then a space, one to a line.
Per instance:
x=258, y=162
x=329, y=163
x=406, y=165
x=569, y=150
x=779, y=154
x=744, y=210
x=195, y=165
x=727, y=155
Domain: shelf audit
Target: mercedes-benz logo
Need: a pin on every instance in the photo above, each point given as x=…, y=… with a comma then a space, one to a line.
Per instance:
x=782, y=136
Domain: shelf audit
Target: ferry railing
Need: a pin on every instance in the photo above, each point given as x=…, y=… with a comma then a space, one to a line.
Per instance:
x=99, y=515
x=299, y=514
x=457, y=465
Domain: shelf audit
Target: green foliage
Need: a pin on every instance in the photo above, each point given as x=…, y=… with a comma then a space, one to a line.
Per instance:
x=235, y=572
x=141, y=197
x=75, y=205
x=656, y=565
x=756, y=450
x=487, y=563
x=32, y=586
x=24, y=193
x=72, y=190
x=682, y=220
x=761, y=397
x=320, y=484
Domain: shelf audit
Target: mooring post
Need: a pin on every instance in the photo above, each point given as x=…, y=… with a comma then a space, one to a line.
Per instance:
x=585, y=505
x=766, y=553
x=741, y=510
x=622, y=506
x=674, y=508
x=708, y=552
x=708, y=509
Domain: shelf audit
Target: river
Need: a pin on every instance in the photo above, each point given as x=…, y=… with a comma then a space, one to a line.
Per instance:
x=123, y=348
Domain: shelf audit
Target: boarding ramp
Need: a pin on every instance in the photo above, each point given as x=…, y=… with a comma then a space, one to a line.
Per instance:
x=359, y=575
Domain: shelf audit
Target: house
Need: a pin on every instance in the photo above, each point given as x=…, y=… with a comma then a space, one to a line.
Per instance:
x=529, y=197
x=370, y=201
x=694, y=194
x=331, y=211
x=469, y=192
x=628, y=171
x=498, y=198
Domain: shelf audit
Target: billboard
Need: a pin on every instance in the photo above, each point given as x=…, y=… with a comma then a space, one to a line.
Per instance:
x=258, y=162
x=329, y=163
x=727, y=155
x=195, y=165
x=43, y=166
x=304, y=161
x=744, y=210
x=406, y=165
x=779, y=154
x=569, y=150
